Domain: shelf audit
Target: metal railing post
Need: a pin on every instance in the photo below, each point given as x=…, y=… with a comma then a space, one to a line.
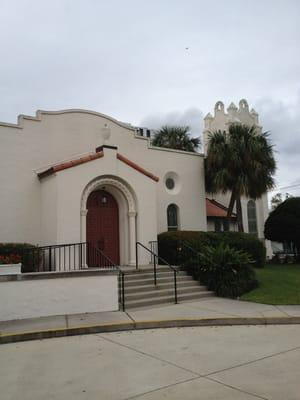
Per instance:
x=119, y=288
x=123, y=291
x=80, y=256
x=33, y=260
x=136, y=256
x=154, y=269
x=175, y=285
x=50, y=259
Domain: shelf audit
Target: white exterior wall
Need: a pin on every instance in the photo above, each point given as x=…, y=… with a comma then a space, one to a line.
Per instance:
x=59, y=296
x=189, y=191
x=49, y=219
x=77, y=178
x=48, y=211
x=211, y=226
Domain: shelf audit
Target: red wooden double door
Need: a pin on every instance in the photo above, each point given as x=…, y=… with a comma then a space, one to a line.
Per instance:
x=102, y=229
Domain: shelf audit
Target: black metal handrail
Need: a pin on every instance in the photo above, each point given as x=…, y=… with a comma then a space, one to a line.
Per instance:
x=156, y=257
x=64, y=257
x=58, y=257
x=99, y=258
x=70, y=257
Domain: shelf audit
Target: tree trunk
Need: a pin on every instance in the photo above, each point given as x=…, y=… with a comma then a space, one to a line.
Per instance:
x=230, y=208
x=231, y=205
x=239, y=214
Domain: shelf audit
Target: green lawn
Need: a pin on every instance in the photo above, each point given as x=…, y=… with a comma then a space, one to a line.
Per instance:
x=278, y=284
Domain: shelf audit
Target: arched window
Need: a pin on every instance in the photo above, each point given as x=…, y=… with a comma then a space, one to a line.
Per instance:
x=172, y=216
x=252, y=219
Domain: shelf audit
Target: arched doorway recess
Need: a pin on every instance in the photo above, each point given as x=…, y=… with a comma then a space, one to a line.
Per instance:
x=102, y=225
x=127, y=212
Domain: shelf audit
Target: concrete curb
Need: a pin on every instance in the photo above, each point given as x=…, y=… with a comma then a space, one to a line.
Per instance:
x=119, y=327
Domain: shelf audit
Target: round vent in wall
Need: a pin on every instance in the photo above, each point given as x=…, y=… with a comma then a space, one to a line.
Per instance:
x=172, y=183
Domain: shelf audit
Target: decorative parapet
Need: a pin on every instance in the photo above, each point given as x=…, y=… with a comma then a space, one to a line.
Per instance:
x=40, y=113
x=221, y=119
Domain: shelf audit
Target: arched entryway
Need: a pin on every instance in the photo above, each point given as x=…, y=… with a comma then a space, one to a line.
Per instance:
x=124, y=196
x=102, y=225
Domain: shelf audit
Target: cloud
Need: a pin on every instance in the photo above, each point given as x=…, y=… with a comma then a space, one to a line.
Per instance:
x=282, y=120
x=192, y=117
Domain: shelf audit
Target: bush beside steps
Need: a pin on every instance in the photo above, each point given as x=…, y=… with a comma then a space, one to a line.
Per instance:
x=217, y=262
x=250, y=244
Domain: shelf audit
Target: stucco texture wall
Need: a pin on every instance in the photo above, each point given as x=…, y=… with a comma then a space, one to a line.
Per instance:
x=59, y=296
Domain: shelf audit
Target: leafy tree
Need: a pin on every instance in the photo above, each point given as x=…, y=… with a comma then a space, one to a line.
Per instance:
x=240, y=161
x=176, y=137
x=283, y=223
x=277, y=199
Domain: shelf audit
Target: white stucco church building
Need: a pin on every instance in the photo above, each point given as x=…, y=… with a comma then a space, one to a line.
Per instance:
x=75, y=176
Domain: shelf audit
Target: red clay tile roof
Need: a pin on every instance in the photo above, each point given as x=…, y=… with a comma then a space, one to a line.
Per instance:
x=99, y=153
x=137, y=167
x=70, y=164
x=216, y=209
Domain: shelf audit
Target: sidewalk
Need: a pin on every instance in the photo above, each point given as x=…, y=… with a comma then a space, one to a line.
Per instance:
x=209, y=312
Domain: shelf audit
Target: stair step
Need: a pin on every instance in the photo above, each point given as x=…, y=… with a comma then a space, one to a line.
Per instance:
x=149, y=281
x=150, y=275
x=148, y=269
x=165, y=292
x=145, y=288
x=167, y=299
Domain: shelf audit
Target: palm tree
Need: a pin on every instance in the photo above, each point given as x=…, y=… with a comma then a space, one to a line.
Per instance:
x=240, y=161
x=176, y=137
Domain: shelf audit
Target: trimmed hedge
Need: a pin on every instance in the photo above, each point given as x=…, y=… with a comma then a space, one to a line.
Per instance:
x=168, y=243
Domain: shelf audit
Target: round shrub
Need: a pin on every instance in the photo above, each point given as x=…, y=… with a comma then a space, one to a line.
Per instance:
x=226, y=271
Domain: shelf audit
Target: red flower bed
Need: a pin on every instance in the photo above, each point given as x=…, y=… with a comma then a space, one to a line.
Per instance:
x=10, y=259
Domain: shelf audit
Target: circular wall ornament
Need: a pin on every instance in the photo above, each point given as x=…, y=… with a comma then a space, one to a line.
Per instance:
x=172, y=183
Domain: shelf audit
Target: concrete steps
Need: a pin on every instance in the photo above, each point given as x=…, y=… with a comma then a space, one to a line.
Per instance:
x=160, y=280
x=140, y=290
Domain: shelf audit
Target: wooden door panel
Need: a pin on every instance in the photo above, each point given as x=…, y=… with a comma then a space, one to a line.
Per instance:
x=103, y=224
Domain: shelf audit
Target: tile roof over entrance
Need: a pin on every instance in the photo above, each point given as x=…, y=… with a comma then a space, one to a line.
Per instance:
x=70, y=164
x=94, y=156
x=216, y=209
x=137, y=167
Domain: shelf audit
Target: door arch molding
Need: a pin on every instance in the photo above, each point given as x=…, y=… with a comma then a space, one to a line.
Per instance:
x=131, y=210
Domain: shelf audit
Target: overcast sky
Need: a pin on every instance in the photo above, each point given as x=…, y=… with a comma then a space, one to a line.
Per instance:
x=156, y=62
